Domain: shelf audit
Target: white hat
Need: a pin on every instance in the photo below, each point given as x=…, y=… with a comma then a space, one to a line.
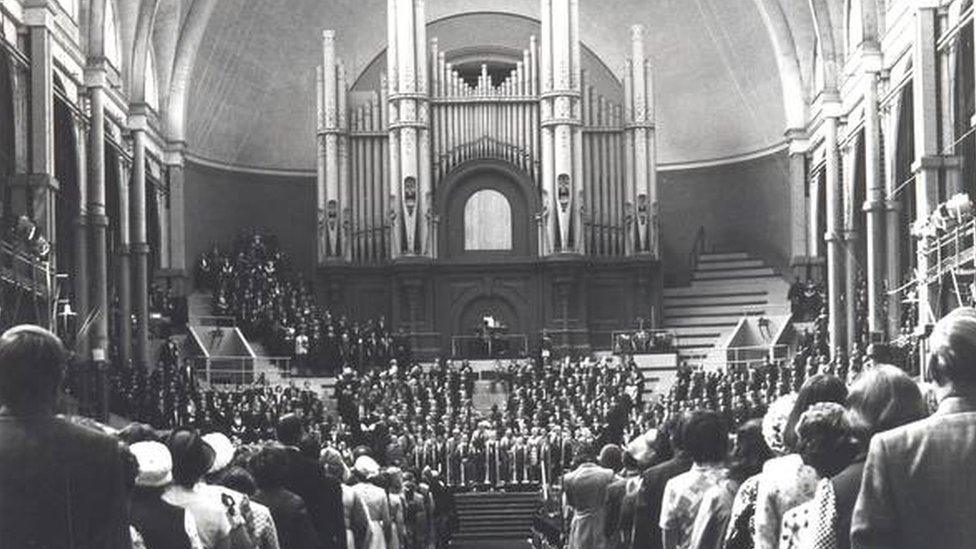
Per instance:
x=155, y=464
x=366, y=466
x=223, y=450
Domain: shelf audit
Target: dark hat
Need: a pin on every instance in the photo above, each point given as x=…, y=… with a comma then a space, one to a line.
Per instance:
x=192, y=457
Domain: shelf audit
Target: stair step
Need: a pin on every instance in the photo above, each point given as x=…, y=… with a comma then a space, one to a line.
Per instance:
x=695, y=331
x=705, y=288
x=706, y=304
x=731, y=264
x=722, y=256
x=706, y=299
x=717, y=310
x=727, y=321
x=721, y=274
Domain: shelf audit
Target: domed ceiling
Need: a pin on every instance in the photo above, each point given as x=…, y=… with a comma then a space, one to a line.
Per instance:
x=251, y=97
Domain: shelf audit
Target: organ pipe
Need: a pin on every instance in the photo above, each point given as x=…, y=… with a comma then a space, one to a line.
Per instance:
x=381, y=159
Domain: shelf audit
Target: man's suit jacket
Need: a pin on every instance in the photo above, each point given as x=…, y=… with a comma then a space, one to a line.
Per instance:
x=322, y=496
x=919, y=484
x=647, y=533
x=846, y=485
x=585, y=490
x=291, y=519
x=61, y=485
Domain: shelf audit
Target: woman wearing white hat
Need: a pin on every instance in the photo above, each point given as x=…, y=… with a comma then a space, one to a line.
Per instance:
x=159, y=525
x=367, y=473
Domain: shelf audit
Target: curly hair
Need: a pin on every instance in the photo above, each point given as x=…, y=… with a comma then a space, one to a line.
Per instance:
x=825, y=438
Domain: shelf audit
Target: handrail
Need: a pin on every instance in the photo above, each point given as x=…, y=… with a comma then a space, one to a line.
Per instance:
x=697, y=248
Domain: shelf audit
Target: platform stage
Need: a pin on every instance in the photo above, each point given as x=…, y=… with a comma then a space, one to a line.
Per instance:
x=580, y=301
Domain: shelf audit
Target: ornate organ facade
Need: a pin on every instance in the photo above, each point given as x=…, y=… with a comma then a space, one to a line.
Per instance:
x=397, y=166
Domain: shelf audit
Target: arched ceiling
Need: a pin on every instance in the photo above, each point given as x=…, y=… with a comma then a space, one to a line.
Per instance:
x=251, y=90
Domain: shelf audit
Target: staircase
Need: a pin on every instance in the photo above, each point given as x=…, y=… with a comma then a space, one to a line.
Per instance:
x=724, y=287
x=495, y=516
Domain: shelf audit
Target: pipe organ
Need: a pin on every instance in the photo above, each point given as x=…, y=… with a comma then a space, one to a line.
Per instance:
x=381, y=161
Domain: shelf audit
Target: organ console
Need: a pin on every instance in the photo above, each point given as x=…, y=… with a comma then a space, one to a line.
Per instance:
x=380, y=162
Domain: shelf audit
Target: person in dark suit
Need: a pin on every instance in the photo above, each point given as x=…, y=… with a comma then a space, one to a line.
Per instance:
x=304, y=477
x=918, y=488
x=291, y=519
x=647, y=533
x=61, y=484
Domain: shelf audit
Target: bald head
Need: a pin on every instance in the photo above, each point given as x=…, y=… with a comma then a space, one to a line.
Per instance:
x=32, y=362
x=952, y=349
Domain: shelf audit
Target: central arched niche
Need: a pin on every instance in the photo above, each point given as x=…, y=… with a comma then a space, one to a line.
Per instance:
x=487, y=222
x=486, y=210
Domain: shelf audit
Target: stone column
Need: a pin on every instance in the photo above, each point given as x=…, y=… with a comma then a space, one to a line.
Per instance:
x=874, y=205
x=34, y=194
x=124, y=287
x=174, y=159
x=140, y=246
x=893, y=218
x=835, y=251
x=80, y=279
x=800, y=227
x=952, y=165
x=97, y=218
x=927, y=161
x=850, y=210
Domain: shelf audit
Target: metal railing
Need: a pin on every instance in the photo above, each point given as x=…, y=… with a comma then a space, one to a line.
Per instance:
x=215, y=321
x=749, y=356
x=497, y=346
x=644, y=341
x=241, y=370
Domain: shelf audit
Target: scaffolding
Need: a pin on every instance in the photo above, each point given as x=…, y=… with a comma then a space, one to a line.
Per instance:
x=26, y=288
x=951, y=275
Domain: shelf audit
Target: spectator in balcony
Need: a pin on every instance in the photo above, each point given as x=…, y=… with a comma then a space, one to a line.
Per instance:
x=61, y=484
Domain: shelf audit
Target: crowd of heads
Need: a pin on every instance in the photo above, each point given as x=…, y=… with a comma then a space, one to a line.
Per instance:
x=255, y=283
x=428, y=418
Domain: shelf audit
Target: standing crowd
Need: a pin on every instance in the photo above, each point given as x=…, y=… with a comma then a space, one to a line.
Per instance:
x=870, y=463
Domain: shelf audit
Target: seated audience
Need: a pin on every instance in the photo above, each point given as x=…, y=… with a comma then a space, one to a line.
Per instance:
x=918, y=488
x=61, y=484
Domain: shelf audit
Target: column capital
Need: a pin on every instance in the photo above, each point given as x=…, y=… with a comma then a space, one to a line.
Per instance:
x=138, y=117
x=872, y=60
x=39, y=13
x=874, y=205
x=798, y=140
x=831, y=104
x=96, y=73
x=929, y=162
x=174, y=154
